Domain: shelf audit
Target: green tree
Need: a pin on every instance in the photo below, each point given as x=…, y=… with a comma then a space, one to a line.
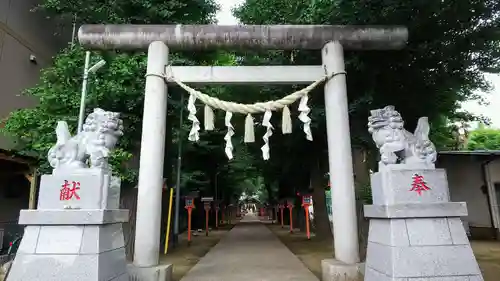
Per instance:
x=450, y=44
x=132, y=11
x=115, y=88
x=120, y=87
x=484, y=139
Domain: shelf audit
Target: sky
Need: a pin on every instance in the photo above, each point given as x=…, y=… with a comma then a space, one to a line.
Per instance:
x=492, y=110
x=224, y=16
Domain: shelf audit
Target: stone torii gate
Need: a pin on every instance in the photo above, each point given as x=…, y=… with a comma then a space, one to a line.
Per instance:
x=331, y=40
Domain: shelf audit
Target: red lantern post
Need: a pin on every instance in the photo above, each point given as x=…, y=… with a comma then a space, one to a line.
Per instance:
x=189, y=205
x=274, y=212
x=290, y=203
x=206, y=202
x=207, y=210
x=217, y=208
x=306, y=202
x=281, y=206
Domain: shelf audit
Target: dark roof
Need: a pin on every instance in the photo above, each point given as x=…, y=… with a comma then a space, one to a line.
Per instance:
x=472, y=152
x=14, y=157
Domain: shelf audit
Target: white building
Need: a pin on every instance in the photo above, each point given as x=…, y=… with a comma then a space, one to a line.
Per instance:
x=474, y=178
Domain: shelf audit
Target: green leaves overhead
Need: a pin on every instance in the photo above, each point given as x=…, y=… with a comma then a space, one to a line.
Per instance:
x=115, y=87
x=484, y=138
x=119, y=86
x=133, y=11
x=450, y=44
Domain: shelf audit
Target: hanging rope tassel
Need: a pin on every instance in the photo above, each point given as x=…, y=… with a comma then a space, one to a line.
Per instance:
x=249, y=129
x=194, y=134
x=304, y=117
x=230, y=133
x=266, y=122
x=209, y=118
x=286, y=121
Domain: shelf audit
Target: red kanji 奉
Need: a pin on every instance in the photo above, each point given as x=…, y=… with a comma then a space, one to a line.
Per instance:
x=419, y=185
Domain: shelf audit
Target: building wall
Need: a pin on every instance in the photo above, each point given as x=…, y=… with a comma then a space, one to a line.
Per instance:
x=24, y=33
x=14, y=196
x=493, y=175
x=465, y=181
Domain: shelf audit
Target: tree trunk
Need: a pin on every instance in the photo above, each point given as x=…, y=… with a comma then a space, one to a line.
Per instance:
x=169, y=183
x=270, y=195
x=129, y=201
x=362, y=167
x=299, y=217
x=321, y=221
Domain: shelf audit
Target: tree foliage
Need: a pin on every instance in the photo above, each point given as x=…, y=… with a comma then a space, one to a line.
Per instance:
x=132, y=11
x=484, y=138
x=450, y=44
x=115, y=88
x=119, y=86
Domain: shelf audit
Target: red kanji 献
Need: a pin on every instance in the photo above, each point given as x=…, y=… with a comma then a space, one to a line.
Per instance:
x=69, y=190
x=419, y=185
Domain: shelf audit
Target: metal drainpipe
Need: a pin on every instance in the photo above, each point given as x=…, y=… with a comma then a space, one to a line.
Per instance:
x=488, y=198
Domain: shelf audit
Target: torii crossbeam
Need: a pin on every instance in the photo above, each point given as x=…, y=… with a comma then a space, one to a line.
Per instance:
x=330, y=39
x=277, y=37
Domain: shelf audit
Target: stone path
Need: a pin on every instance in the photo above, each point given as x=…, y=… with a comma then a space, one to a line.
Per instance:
x=250, y=252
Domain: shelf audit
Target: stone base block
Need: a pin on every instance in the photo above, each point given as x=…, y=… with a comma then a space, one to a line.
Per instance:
x=93, y=188
x=72, y=217
x=393, y=185
x=108, y=266
x=422, y=261
x=371, y=274
x=69, y=252
x=417, y=210
x=422, y=249
x=334, y=270
x=71, y=240
x=417, y=232
x=156, y=273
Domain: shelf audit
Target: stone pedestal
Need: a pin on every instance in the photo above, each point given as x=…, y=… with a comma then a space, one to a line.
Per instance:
x=415, y=232
x=335, y=270
x=76, y=232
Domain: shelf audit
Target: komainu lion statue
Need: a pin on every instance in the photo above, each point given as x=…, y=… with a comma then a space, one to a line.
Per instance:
x=100, y=134
x=397, y=145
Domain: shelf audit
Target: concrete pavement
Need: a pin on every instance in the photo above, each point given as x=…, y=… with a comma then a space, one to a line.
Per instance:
x=250, y=252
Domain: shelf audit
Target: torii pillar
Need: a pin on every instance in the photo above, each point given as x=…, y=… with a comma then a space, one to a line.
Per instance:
x=332, y=40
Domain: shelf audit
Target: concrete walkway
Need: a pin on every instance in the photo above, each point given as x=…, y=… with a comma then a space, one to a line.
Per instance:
x=249, y=252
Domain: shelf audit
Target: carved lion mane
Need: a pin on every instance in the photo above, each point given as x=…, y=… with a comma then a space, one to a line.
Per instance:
x=101, y=131
x=397, y=145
